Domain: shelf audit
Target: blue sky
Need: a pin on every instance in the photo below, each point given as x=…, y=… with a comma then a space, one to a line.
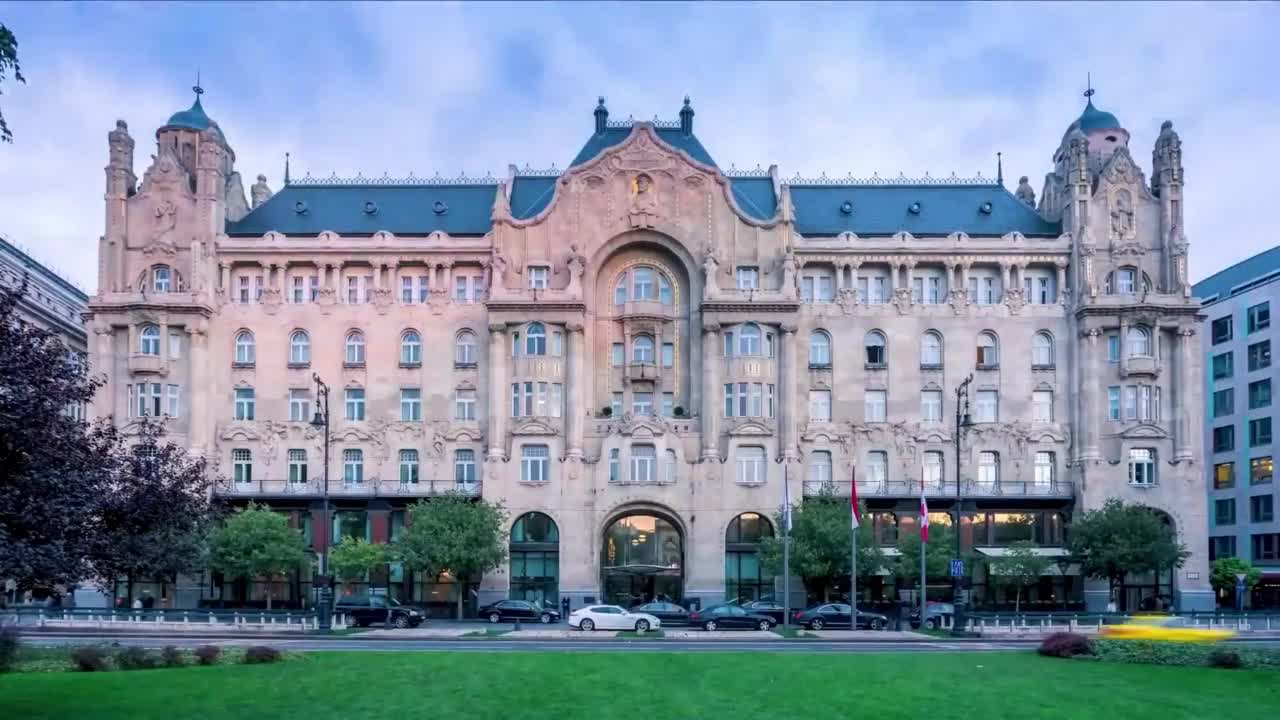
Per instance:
x=447, y=88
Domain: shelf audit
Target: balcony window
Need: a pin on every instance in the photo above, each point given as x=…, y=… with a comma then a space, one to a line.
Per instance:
x=748, y=278
x=877, y=468
x=749, y=340
x=535, y=340
x=931, y=469
x=874, y=345
x=1039, y=287
x=928, y=287
x=643, y=287
x=535, y=464
x=464, y=349
x=1041, y=350
x=1139, y=340
x=819, y=349
x=874, y=289
x=988, y=351
x=1044, y=469
x=409, y=467
x=820, y=467
x=642, y=403
x=817, y=288
x=149, y=340
x=988, y=470
x=160, y=276
x=642, y=350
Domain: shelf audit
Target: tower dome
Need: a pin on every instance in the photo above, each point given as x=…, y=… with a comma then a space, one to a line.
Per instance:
x=193, y=118
x=1093, y=120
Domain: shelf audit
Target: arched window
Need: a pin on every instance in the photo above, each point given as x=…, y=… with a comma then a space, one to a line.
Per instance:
x=244, y=348
x=620, y=291
x=1041, y=350
x=744, y=577
x=1124, y=281
x=161, y=279
x=464, y=349
x=149, y=340
x=665, y=296
x=820, y=349
x=1139, y=339
x=535, y=560
x=642, y=350
x=411, y=348
x=988, y=350
x=931, y=349
x=355, y=348
x=299, y=348
x=535, y=339
x=874, y=345
x=749, y=339
x=819, y=469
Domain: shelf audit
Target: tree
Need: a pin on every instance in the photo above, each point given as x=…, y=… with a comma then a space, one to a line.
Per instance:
x=54, y=469
x=155, y=512
x=1222, y=575
x=8, y=61
x=820, y=545
x=352, y=559
x=454, y=534
x=256, y=542
x=1019, y=567
x=1121, y=538
x=941, y=549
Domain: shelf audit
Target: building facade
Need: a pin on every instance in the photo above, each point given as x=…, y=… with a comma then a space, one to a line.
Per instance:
x=52, y=302
x=639, y=355
x=1236, y=340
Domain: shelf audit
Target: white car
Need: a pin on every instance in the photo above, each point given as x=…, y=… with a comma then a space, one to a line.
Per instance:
x=611, y=617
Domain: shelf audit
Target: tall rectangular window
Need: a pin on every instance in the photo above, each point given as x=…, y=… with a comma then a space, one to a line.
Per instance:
x=173, y=401
x=1221, y=330
x=1222, y=366
x=932, y=469
x=988, y=406
x=1224, y=438
x=242, y=466
x=748, y=278
x=1260, y=432
x=668, y=404
x=668, y=355
x=1042, y=406
x=1224, y=402
x=464, y=404
x=1262, y=509
x=410, y=404
x=1113, y=402
x=820, y=405
x=1044, y=467
x=535, y=464
x=539, y=277
x=1260, y=355
x=297, y=467
x=1224, y=511
x=409, y=467
x=1260, y=469
x=1113, y=348
x=353, y=467
x=642, y=403
x=931, y=405
x=615, y=404
x=299, y=405
x=1260, y=394
x=464, y=467
x=750, y=464
x=644, y=464
x=875, y=404
x=355, y=403
x=1224, y=475
x=988, y=470
x=1142, y=466
x=244, y=403
x=460, y=292
x=617, y=355
x=1259, y=317
x=877, y=468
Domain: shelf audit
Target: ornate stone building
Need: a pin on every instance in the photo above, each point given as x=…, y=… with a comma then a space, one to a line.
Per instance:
x=633, y=353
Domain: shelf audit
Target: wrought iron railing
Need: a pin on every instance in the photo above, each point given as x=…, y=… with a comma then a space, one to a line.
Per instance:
x=968, y=488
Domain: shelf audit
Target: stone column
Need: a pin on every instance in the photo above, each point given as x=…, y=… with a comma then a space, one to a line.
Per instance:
x=951, y=276
x=910, y=265
x=133, y=340
x=448, y=276
x=1124, y=355
x=164, y=343
x=1090, y=406
x=1005, y=266
x=497, y=381
x=197, y=399
x=895, y=267
x=964, y=277
x=1062, y=282
x=854, y=266
x=226, y=277
x=575, y=379
x=712, y=392
x=339, y=293
x=377, y=274
x=790, y=393
x=102, y=361
x=1182, y=383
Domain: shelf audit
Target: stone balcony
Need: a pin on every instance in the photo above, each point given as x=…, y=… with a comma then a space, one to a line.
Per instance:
x=338, y=488
x=969, y=489
x=646, y=309
x=746, y=368
x=147, y=364
x=1140, y=366
x=538, y=366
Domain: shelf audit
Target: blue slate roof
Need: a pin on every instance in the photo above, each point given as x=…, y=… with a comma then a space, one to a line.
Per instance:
x=400, y=209
x=531, y=195
x=755, y=196
x=615, y=134
x=1261, y=268
x=886, y=209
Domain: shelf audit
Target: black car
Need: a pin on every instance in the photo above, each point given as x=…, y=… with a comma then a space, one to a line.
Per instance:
x=518, y=610
x=766, y=607
x=364, y=610
x=668, y=613
x=730, y=617
x=837, y=615
x=938, y=614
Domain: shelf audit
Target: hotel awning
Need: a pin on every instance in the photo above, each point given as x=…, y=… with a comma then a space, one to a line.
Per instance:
x=1049, y=552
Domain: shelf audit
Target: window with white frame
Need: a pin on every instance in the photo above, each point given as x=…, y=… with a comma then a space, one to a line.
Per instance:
x=819, y=405
x=299, y=348
x=298, y=289
x=464, y=349
x=539, y=277
x=1113, y=402
x=175, y=345
x=749, y=339
x=931, y=349
x=410, y=404
x=984, y=286
x=988, y=406
x=461, y=289
x=354, y=404
x=1113, y=347
x=750, y=463
x=668, y=404
x=149, y=340
x=928, y=286
x=409, y=467
x=988, y=350
x=669, y=466
x=614, y=465
x=297, y=466
x=1139, y=340
x=1142, y=466
x=931, y=469
x=173, y=401
x=617, y=355
x=541, y=399
x=873, y=287
x=748, y=277
x=1042, y=405
x=641, y=403
x=644, y=460
x=557, y=343
x=1043, y=469
x=160, y=279
x=819, y=349
x=411, y=348
x=358, y=289
x=299, y=405
x=874, y=345
x=877, y=468
x=464, y=467
x=354, y=348
x=668, y=355
x=244, y=291
x=642, y=350
x=244, y=404
x=352, y=467
x=535, y=464
x=615, y=404
x=875, y=404
x=245, y=350
x=643, y=285
x=931, y=406
x=817, y=287
x=1123, y=281
x=1041, y=350
x=148, y=399
x=242, y=466
x=1039, y=285
x=988, y=470
x=464, y=404
x=535, y=339
x=820, y=467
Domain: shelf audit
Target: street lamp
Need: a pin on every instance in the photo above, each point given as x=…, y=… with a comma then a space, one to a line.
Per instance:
x=322, y=581
x=963, y=420
x=1240, y=578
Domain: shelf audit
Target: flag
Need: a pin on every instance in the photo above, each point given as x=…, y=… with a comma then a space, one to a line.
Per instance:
x=924, y=519
x=854, y=520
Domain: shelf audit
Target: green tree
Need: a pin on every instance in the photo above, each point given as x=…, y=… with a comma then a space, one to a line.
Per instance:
x=352, y=559
x=1120, y=538
x=8, y=62
x=820, y=545
x=454, y=534
x=256, y=542
x=1222, y=575
x=1019, y=567
x=941, y=548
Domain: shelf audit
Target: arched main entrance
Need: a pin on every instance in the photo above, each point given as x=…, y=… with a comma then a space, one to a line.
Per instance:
x=744, y=579
x=535, y=560
x=642, y=559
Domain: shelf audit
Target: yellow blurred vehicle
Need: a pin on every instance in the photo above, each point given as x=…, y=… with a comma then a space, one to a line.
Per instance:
x=1165, y=628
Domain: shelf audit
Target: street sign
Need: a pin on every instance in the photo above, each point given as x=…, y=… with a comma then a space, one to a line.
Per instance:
x=957, y=568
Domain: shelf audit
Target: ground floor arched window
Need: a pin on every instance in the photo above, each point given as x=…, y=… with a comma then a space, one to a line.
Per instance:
x=642, y=560
x=744, y=578
x=535, y=560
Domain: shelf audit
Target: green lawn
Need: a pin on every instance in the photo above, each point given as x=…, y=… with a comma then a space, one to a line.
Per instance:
x=604, y=686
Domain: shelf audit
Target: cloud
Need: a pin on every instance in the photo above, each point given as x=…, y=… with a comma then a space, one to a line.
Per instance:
x=838, y=88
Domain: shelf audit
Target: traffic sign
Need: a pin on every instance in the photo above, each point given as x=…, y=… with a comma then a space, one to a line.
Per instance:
x=957, y=568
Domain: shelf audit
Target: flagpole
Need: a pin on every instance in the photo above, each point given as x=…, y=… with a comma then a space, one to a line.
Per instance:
x=853, y=548
x=923, y=550
x=786, y=547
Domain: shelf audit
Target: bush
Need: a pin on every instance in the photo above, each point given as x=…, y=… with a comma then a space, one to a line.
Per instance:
x=1184, y=654
x=1065, y=645
x=1226, y=659
x=259, y=654
x=135, y=658
x=9, y=645
x=208, y=654
x=172, y=657
x=89, y=658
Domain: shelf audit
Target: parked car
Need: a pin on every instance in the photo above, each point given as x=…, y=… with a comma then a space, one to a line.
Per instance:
x=611, y=617
x=518, y=610
x=766, y=607
x=838, y=615
x=668, y=613
x=935, y=615
x=362, y=610
x=730, y=617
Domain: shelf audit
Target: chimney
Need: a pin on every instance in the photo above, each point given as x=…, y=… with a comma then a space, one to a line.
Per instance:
x=686, y=118
x=602, y=116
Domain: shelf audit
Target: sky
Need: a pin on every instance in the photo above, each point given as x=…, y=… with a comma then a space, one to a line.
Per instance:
x=470, y=88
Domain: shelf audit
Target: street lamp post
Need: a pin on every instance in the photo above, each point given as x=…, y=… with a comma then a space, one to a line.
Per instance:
x=963, y=420
x=322, y=581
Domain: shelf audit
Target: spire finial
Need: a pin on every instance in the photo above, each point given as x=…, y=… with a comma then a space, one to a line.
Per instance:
x=999, y=168
x=1089, y=91
x=196, y=88
x=286, y=168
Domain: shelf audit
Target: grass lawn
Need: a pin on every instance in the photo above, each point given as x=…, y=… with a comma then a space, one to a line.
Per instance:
x=605, y=686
